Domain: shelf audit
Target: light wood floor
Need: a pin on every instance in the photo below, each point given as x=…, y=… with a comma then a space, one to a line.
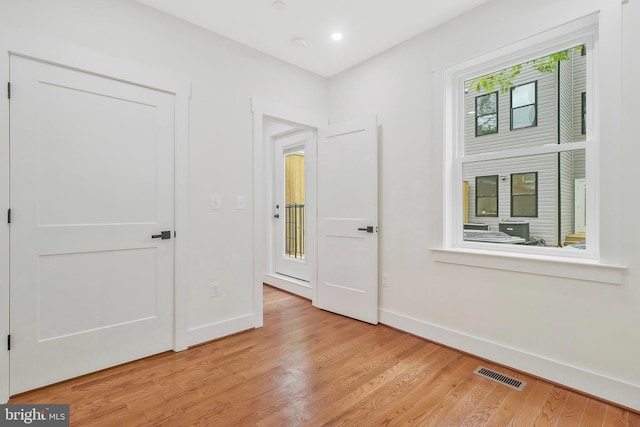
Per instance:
x=312, y=368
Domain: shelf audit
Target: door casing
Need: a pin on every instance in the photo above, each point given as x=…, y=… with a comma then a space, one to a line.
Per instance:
x=265, y=112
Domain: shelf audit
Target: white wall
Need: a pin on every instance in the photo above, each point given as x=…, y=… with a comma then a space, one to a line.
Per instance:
x=578, y=333
x=224, y=76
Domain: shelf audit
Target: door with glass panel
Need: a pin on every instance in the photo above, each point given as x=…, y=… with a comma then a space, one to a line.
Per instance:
x=291, y=192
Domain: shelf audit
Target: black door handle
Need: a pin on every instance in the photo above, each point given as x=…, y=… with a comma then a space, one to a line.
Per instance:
x=368, y=229
x=164, y=235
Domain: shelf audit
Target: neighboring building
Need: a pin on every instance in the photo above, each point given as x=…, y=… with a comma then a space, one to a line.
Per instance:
x=541, y=109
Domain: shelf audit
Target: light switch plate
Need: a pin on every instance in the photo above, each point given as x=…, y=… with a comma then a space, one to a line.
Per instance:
x=216, y=202
x=241, y=202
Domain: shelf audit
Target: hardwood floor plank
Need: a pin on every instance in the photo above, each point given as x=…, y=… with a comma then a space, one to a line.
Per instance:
x=307, y=367
x=616, y=417
x=573, y=411
x=593, y=413
x=552, y=409
x=486, y=412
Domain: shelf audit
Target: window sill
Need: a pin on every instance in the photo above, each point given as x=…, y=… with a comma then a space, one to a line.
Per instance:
x=587, y=270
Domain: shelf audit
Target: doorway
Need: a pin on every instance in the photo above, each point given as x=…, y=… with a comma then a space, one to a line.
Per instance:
x=291, y=201
x=290, y=193
x=355, y=146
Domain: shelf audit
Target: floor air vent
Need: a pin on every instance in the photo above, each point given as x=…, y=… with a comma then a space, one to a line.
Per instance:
x=502, y=379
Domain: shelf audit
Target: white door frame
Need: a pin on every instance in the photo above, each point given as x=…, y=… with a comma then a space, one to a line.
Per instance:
x=263, y=112
x=56, y=52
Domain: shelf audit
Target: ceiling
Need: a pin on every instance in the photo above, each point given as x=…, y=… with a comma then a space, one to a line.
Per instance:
x=369, y=26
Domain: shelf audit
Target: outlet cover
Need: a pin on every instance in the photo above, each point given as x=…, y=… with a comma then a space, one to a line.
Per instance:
x=215, y=289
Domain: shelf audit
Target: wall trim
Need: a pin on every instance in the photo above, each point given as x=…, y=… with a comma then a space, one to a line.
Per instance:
x=213, y=331
x=580, y=379
x=289, y=284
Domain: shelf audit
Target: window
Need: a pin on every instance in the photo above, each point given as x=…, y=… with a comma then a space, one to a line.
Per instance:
x=524, y=194
x=541, y=90
x=574, y=155
x=487, y=114
x=524, y=107
x=487, y=196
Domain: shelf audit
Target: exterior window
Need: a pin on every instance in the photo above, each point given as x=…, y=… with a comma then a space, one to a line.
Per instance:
x=584, y=113
x=487, y=196
x=487, y=114
x=553, y=157
x=524, y=194
x=524, y=106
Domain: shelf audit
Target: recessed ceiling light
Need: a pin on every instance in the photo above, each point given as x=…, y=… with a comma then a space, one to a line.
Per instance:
x=299, y=42
x=337, y=36
x=279, y=4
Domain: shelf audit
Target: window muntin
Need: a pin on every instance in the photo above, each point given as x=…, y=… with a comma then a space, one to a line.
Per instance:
x=486, y=196
x=524, y=106
x=487, y=114
x=524, y=194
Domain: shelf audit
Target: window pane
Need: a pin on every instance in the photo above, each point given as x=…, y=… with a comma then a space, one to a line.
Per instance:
x=523, y=183
x=523, y=95
x=487, y=206
x=560, y=193
x=523, y=117
x=524, y=194
x=534, y=105
x=294, y=202
x=486, y=188
x=487, y=125
x=487, y=104
x=524, y=206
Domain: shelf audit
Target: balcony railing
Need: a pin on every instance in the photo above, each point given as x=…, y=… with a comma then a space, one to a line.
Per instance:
x=294, y=230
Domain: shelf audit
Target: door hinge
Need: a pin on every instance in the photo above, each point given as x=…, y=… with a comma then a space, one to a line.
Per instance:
x=8, y=342
x=8, y=90
x=9, y=216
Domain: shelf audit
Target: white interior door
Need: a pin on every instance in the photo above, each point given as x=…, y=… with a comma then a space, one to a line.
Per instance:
x=348, y=219
x=291, y=256
x=91, y=181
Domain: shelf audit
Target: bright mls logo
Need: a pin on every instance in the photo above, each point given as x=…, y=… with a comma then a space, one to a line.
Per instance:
x=34, y=415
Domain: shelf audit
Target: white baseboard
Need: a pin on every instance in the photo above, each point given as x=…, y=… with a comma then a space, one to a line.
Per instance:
x=289, y=284
x=221, y=329
x=591, y=383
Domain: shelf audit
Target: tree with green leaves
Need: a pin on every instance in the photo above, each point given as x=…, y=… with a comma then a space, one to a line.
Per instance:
x=503, y=79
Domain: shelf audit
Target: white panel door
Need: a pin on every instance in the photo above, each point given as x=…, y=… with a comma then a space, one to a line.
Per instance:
x=291, y=210
x=348, y=219
x=91, y=181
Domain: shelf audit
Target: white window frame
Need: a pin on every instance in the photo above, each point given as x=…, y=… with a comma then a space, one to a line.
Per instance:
x=601, y=261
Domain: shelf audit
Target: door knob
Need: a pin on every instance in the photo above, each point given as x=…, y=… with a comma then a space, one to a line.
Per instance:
x=164, y=235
